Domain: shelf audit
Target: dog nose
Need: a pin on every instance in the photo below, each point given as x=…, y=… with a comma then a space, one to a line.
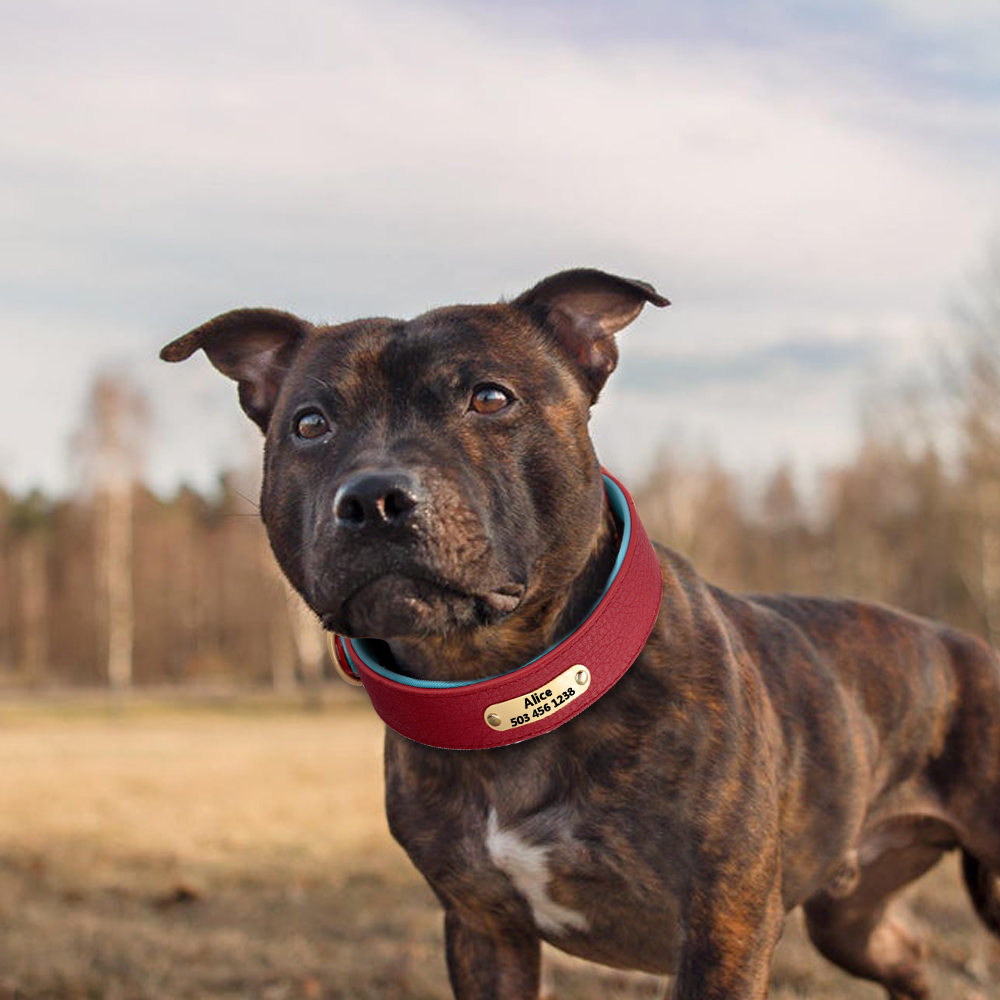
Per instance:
x=376, y=499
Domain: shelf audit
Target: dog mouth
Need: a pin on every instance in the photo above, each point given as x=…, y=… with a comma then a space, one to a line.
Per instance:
x=505, y=599
x=396, y=605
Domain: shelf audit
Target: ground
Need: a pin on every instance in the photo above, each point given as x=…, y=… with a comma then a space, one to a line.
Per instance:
x=150, y=852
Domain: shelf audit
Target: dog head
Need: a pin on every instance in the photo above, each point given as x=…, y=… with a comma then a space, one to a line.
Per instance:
x=429, y=476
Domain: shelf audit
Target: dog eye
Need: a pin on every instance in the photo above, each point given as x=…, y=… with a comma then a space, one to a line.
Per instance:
x=311, y=424
x=490, y=398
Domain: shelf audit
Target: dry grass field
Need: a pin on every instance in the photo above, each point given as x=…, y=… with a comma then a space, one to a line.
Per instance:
x=154, y=852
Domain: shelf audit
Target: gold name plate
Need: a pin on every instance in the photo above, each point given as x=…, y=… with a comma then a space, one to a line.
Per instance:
x=540, y=703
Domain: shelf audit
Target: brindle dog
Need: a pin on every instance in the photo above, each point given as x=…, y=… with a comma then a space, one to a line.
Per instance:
x=432, y=483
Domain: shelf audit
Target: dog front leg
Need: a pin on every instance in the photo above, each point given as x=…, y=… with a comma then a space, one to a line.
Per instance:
x=504, y=964
x=727, y=949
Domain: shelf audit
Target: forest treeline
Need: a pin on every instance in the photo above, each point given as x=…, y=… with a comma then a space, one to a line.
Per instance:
x=116, y=585
x=206, y=603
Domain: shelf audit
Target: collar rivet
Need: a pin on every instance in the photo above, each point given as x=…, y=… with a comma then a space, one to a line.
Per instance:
x=493, y=720
x=582, y=677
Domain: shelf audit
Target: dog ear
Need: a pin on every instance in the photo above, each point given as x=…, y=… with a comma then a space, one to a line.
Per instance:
x=255, y=347
x=584, y=309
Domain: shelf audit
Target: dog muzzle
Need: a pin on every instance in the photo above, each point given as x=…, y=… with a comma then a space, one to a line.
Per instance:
x=544, y=693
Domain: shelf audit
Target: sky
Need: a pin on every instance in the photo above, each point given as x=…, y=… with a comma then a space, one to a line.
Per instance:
x=811, y=184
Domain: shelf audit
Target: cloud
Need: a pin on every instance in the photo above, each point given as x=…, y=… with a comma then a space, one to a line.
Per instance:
x=749, y=416
x=957, y=41
x=351, y=130
x=164, y=162
x=799, y=357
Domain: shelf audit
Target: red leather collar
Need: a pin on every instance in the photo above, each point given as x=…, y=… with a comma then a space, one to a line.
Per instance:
x=543, y=694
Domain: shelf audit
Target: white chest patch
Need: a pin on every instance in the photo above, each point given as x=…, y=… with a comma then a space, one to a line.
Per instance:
x=526, y=865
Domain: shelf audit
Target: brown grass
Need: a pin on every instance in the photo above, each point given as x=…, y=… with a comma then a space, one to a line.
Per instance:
x=169, y=853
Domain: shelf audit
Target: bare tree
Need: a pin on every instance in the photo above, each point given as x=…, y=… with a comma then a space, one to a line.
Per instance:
x=310, y=647
x=781, y=537
x=29, y=521
x=973, y=382
x=110, y=445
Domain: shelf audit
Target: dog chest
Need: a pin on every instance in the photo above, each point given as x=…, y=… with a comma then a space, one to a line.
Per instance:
x=567, y=866
x=587, y=894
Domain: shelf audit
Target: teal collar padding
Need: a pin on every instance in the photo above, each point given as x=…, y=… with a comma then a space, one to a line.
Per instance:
x=365, y=650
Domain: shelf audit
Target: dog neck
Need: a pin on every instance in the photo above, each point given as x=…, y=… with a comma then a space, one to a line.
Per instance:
x=546, y=615
x=556, y=684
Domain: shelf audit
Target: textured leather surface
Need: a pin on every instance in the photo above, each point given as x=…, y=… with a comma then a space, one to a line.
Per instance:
x=607, y=644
